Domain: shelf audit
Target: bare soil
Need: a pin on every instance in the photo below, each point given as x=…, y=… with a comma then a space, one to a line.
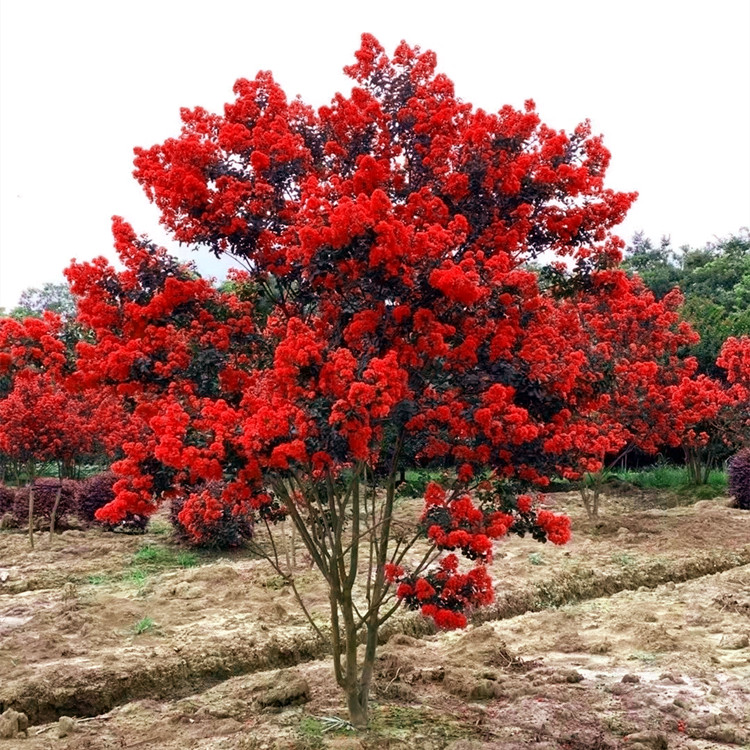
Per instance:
x=636, y=634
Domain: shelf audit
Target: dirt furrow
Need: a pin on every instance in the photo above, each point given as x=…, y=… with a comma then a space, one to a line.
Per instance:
x=87, y=686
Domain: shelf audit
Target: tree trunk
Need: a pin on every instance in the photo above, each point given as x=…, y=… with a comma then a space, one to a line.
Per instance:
x=695, y=468
x=356, y=701
x=356, y=682
x=590, y=495
x=54, y=509
x=31, y=505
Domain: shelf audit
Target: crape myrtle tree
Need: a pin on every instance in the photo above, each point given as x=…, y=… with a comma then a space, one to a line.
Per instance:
x=38, y=422
x=46, y=415
x=387, y=240
x=711, y=416
x=31, y=353
x=634, y=359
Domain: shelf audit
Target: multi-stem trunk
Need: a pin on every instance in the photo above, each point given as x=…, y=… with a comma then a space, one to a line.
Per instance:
x=341, y=518
x=590, y=495
x=58, y=494
x=355, y=678
x=698, y=470
x=339, y=523
x=31, y=477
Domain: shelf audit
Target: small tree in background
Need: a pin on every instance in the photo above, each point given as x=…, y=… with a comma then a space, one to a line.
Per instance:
x=54, y=298
x=45, y=417
x=31, y=354
x=634, y=344
x=208, y=522
x=711, y=416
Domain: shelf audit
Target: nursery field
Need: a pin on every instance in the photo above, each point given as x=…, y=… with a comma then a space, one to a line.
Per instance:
x=635, y=635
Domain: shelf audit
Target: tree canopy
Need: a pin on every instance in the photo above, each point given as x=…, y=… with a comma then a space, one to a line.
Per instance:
x=714, y=279
x=419, y=275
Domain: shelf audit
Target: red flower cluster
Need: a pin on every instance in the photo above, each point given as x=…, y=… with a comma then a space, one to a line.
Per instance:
x=444, y=594
x=556, y=527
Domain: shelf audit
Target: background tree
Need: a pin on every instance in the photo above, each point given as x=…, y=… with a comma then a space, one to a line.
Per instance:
x=46, y=414
x=715, y=281
x=55, y=298
x=632, y=345
x=659, y=267
x=32, y=357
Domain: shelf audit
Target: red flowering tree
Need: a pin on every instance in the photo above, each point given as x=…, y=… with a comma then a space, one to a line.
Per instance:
x=632, y=344
x=709, y=414
x=45, y=416
x=34, y=411
x=734, y=358
x=386, y=239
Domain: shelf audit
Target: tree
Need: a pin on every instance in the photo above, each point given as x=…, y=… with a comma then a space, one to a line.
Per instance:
x=387, y=238
x=31, y=355
x=659, y=267
x=633, y=344
x=55, y=298
x=711, y=416
x=715, y=281
x=45, y=416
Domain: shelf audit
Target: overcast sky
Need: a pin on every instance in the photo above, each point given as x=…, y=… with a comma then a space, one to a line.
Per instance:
x=82, y=83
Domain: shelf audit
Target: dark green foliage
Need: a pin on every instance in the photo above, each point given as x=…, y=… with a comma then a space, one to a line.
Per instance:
x=658, y=266
x=45, y=494
x=414, y=484
x=739, y=478
x=715, y=281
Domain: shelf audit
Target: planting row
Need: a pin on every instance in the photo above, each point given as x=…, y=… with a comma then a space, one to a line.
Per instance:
x=69, y=503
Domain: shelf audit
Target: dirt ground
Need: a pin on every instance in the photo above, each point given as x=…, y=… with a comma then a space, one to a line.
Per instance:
x=634, y=635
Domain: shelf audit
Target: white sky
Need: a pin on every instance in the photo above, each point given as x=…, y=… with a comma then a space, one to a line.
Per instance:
x=81, y=83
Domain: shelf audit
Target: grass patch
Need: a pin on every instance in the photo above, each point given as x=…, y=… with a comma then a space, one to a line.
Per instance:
x=154, y=556
x=643, y=656
x=310, y=732
x=187, y=559
x=389, y=724
x=151, y=559
x=715, y=487
x=398, y=723
x=97, y=579
x=147, y=561
x=136, y=577
x=159, y=528
x=624, y=559
x=144, y=625
x=675, y=478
